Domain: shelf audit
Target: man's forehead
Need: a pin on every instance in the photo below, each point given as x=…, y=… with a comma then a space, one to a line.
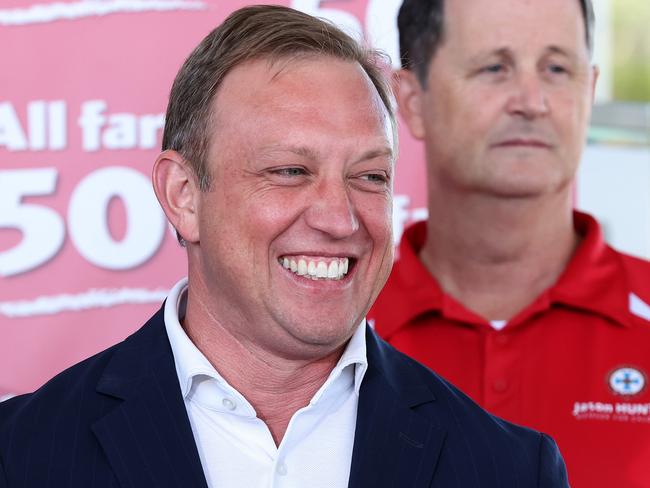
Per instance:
x=477, y=21
x=311, y=91
x=293, y=82
x=257, y=79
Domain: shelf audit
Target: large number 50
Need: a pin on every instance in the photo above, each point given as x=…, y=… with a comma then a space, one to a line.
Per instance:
x=381, y=22
x=43, y=230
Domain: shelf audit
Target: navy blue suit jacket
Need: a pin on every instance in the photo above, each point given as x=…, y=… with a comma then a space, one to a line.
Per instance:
x=118, y=420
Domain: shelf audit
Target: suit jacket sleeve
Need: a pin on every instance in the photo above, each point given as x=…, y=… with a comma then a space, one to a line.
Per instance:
x=552, y=471
x=3, y=479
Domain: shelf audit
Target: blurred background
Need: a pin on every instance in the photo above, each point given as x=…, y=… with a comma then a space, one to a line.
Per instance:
x=85, y=253
x=614, y=179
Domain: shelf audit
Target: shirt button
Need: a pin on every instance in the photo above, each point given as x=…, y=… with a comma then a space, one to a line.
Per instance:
x=229, y=404
x=500, y=386
x=281, y=469
x=501, y=339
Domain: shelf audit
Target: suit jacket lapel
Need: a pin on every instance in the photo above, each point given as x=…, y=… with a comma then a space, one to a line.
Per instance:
x=147, y=436
x=394, y=445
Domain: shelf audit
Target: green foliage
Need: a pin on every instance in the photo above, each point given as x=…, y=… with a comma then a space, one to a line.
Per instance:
x=631, y=53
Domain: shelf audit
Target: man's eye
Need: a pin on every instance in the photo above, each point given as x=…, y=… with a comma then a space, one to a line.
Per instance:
x=557, y=69
x=379, y=178
x=493, y=68
x=291, y=171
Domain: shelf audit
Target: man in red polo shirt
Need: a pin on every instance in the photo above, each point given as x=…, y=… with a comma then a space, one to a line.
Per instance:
x=505, y=290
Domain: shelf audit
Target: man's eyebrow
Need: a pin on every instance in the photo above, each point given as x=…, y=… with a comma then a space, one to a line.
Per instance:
x=302, y=151
x=553, y=49
x=505, y=52
x=376, y=153
x=502, y=52
x=308, y=153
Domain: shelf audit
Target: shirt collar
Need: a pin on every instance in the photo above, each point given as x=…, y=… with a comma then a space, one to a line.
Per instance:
x=354, y=358
x=190, y=361
x=594, y=280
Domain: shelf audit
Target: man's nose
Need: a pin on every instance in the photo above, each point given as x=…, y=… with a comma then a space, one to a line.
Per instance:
x=528, y=98
x=332, y=210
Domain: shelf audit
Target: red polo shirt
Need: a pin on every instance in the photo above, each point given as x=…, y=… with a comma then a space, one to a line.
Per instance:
x=574, y=364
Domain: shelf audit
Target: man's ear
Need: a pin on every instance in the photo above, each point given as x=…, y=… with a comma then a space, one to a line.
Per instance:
x=177, y=191
x=409, y=94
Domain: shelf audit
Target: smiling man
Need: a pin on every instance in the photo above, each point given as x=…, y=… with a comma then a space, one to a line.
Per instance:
x=505, y=290
x=259, y=370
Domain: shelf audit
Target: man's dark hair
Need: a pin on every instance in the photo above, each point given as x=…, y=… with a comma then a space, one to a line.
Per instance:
x=251, y=33
x=421, y=31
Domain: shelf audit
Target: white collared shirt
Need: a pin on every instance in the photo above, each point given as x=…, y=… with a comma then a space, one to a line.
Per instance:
x=236, y=448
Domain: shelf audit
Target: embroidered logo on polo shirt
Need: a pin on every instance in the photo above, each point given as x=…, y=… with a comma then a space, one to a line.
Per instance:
x=627, y=381
x=612, y=412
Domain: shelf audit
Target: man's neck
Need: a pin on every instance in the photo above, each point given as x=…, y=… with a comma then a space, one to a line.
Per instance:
x=275, y=386
x=497, y=255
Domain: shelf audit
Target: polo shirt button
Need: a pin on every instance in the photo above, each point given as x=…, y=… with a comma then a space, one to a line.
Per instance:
x=229, y=404
x=500, y=386
x=281, y=469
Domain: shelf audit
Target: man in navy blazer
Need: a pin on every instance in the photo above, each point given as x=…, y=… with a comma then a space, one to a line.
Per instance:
x=259, y=370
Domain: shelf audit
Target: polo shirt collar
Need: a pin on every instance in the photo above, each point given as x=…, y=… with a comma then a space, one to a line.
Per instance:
x=594, y=280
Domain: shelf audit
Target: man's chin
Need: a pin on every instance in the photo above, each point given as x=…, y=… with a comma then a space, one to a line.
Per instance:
x=521, y=183
x=313, y=339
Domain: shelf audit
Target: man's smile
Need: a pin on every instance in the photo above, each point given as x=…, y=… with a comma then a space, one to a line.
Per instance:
x=316, y=268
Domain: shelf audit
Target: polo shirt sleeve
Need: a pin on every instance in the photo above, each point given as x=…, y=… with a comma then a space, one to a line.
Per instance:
x=552, y=471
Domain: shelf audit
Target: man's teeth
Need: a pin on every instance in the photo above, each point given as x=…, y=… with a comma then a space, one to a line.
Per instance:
x=317, y=269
